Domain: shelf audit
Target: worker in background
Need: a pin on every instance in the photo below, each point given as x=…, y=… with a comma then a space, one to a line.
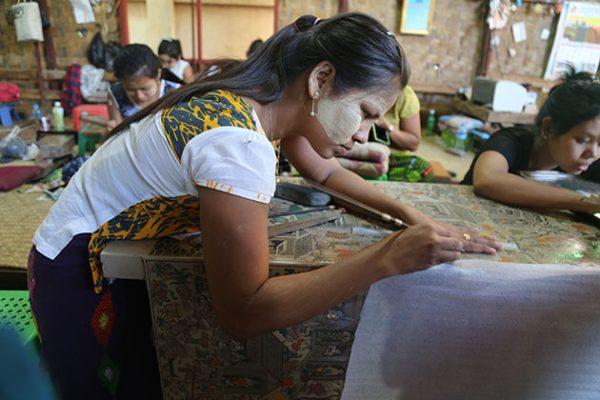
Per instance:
x=171, y=57
x=566, y=137
x=141, y=82
x=402, y=121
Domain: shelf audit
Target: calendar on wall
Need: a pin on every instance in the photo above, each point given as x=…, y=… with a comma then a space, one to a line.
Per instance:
x=417, y=16
x=577, y=40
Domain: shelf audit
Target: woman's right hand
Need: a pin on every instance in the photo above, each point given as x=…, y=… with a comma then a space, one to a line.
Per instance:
x=592, y=203
x=417, y=248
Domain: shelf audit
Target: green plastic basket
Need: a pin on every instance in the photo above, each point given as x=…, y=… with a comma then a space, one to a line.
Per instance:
x=87, y=142
x=15, y=313
x=457, y=143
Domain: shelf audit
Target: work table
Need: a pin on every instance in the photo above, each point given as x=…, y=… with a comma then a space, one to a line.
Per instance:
x=198, y=360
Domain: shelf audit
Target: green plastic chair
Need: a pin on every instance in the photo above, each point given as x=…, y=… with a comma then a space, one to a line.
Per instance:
x=15, y=313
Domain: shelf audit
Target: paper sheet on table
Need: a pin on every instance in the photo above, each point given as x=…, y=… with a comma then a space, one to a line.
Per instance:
x=480, y=330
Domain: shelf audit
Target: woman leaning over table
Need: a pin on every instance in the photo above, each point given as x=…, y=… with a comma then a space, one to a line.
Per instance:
x=202, y=158
x=566, y=137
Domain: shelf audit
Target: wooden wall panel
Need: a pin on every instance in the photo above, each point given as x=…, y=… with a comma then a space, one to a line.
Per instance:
x=160, y=22
x=136, y=19
x=185, y=15
x=228, y=26
x=227, y=31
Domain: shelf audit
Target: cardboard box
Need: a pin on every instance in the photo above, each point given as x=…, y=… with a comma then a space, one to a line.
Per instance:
x=56, y=145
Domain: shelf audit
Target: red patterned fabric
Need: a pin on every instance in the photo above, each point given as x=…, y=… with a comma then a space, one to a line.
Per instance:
x=103, y=320
x=70, y=97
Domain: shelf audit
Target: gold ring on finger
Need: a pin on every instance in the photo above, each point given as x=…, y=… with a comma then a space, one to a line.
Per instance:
x=466, y=236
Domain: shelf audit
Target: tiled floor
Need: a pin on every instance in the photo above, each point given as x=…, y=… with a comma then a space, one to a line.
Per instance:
x=431, y=149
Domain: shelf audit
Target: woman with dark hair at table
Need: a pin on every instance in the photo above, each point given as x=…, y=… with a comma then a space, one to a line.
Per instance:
x=566, y=137
x=142, y=81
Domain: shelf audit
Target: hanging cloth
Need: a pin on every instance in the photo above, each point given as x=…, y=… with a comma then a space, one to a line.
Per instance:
x=70, y=96
x=28, y=21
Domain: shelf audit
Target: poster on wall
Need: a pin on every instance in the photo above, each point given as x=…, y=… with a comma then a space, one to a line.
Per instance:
x=416, y=16
x=577, y=40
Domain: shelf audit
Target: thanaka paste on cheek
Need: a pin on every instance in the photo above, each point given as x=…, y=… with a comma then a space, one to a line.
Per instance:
x=339, y=120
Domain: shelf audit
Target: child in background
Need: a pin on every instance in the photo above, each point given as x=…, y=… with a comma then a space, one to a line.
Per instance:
x=141, y=82
x=566, y=136
x=171, y=57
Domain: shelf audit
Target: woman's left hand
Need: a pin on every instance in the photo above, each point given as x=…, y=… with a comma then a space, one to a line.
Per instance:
x=471, y=239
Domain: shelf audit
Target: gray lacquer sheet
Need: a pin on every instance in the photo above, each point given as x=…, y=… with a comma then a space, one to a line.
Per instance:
x=480, y=330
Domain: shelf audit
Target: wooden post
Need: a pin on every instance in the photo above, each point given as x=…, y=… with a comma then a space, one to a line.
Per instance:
x=49, y=50
x=123, y=22
x=276, y=16
x=194, y=60
x=40, y=77
x=486, y=48
x=199, y=27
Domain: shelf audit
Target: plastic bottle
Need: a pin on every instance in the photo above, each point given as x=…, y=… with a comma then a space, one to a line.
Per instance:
x=430, y=123
x=37, y=114
x=58, y=116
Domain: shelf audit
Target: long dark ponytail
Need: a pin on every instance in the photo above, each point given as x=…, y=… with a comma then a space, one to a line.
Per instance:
x=362, y=51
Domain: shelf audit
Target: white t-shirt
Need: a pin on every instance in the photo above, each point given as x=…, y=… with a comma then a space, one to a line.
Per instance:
x=179, y=67
x=139, y=165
